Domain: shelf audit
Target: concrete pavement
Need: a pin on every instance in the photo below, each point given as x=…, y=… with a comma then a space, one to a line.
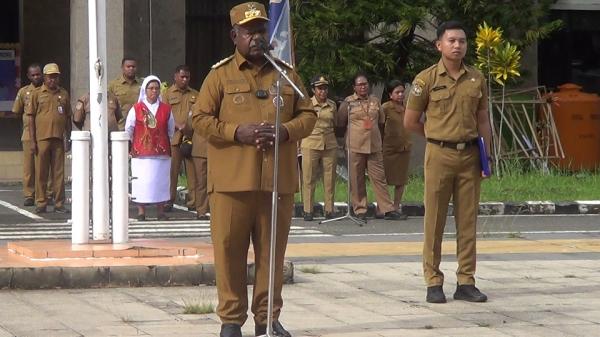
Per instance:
x=530, y=295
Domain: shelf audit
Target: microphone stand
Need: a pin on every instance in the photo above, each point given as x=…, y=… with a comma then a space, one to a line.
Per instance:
x=278, y=99
x=348, y=215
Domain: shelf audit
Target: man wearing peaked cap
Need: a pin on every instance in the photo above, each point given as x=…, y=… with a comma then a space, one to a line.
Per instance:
x=319, y=150
x=235, y=112
x=49, y=111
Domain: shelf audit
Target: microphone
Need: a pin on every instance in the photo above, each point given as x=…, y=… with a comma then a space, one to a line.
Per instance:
x=264, y=45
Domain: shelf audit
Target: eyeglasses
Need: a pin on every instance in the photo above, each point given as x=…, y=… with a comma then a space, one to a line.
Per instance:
x=362, y=84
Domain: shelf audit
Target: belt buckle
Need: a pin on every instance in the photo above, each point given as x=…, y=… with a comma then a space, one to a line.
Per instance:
x=461, y=146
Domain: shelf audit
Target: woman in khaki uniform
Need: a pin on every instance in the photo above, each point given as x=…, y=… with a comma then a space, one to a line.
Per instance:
x=319, y=150
x=396, y=141
x=362, y=114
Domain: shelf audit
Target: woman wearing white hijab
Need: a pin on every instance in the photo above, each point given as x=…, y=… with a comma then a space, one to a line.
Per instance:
x=150, y=126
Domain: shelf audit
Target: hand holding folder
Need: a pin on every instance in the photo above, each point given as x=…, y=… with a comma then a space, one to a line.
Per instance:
x=483, y=158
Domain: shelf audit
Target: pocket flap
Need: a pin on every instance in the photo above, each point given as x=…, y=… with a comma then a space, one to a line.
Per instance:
x=237, y=87
x=439, y=95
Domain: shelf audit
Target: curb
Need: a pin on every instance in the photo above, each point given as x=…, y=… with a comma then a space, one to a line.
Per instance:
x=118, y=276
x=485, y=208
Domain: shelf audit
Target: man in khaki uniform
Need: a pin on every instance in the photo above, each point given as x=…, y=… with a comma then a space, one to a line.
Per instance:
x=126, y=88
x=453, y=97
x=34, y=74
x=199, y=157
x=81, y=114
x=49, y=112
x=181, y=98
x=235, y=111
x=364, y=140
x=320, y=150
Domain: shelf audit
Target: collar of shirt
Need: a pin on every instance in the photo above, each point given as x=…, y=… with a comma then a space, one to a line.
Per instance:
x=123, y=80
x=355, y=97
x=45, y=88
x=441, y=69
x=317, y=103
x=242, y=62
x=174, y=88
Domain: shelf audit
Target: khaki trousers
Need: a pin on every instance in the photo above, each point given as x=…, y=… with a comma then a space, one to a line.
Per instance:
x=456, y=174
x=312, y=160
x=236, y=219
x=201, y=196
x=28, y=170
x=372, y=163
x=176, y=159
x=50, y=158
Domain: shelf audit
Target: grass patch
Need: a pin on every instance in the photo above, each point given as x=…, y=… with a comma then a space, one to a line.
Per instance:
x=514, y=235
x=310, y=269
x=194, y=308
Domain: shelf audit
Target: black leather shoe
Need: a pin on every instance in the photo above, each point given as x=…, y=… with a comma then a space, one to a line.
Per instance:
x=278, y=330
x=39, y=210
x=230, y=330
x=469, y=293
x=393, y=215
x=308, y=216
x=168, y=207
x=28, y=202
x=435, y=294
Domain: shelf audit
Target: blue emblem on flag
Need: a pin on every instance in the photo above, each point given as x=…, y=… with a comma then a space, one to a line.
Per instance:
x=280, y=30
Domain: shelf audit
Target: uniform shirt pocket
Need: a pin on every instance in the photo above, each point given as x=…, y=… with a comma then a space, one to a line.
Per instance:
x=438, y=103
x=236, y=101
x=174, y=100
x=471, y=98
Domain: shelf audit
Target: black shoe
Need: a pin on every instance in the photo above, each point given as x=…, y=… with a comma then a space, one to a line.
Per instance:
x=393, y=215
x=168, y=207
x=379, y=216
x=39, y=210
x=308, y=216
x=278, y=330
x=469, y=293
x=230, y=330
x=191, y=209
x=141, y=217
x=329, y=215
x=61, y=209
x=435, y=294
x=28, y=202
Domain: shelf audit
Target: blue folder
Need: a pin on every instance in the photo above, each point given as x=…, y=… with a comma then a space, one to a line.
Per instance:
x=483, y=158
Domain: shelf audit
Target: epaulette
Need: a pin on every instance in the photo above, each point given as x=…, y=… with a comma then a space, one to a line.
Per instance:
x=284, y=63
x=222, y=62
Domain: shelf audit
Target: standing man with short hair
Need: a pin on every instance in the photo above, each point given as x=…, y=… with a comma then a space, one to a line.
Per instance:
x=126, y=87
x=236, y=113
x=34, y=74
x=181, y=98
x=49, y=112
x=453, y=98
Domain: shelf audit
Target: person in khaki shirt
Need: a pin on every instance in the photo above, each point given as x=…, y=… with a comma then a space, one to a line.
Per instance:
x=126, y=87
x=34, y=74
x=81, y=114
x=453, y=98
x=362, y=114
x=396, y=141
x=235, y=111
x=319, y=150
x=181, y=98
x=49, y=112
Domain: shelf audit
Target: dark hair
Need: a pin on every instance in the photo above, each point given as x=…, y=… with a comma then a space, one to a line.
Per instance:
x=449, y=25
x=359, y=74
x=391, y=85
x=181, y=67
x=128, y=58
x=34, y=65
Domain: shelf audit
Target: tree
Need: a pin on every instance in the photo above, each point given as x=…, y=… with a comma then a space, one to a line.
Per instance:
x=340, y=37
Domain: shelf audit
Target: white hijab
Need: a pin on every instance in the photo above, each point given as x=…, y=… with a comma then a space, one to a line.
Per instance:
x=142, y=97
